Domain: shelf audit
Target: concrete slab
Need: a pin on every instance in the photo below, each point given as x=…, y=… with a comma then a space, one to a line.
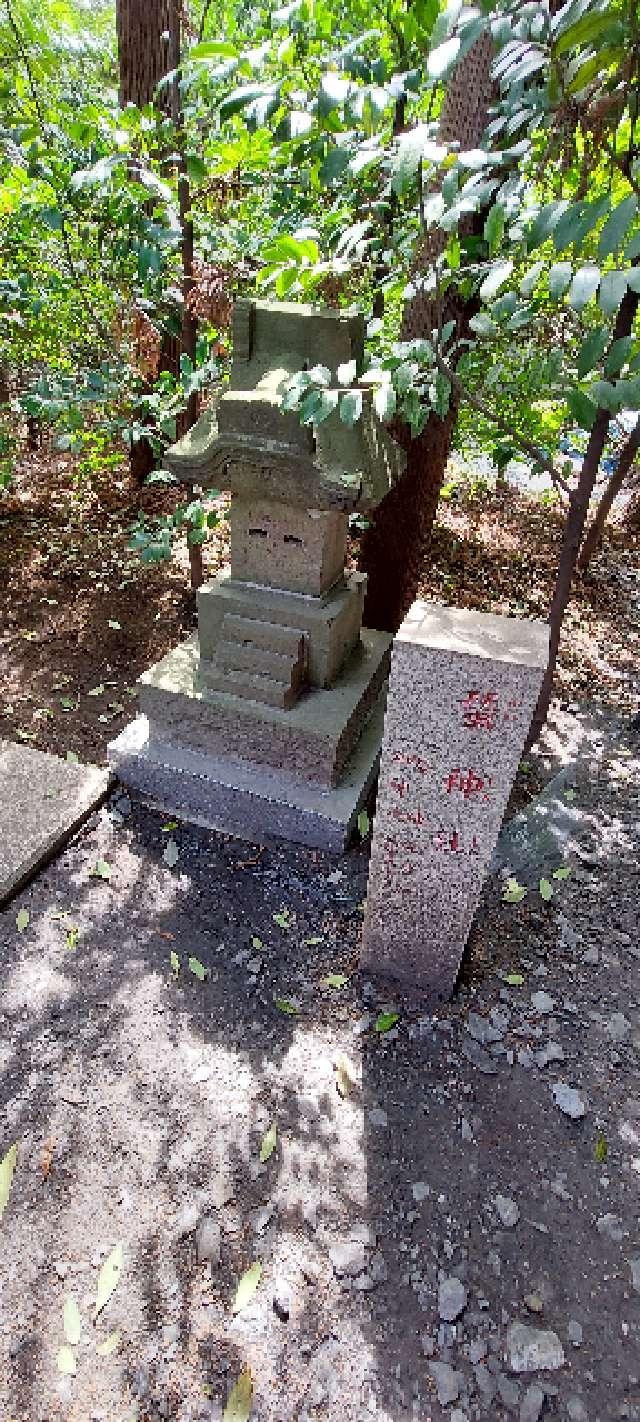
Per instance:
x=42, y=800
x=248, y=801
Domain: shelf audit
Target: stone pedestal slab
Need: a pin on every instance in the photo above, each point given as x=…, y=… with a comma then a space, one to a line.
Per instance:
x=462, y=692
x=251, y=802
x=43, y=799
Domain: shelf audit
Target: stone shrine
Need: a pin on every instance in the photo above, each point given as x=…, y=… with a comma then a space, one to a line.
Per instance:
x=269, y=722
x=462, y=692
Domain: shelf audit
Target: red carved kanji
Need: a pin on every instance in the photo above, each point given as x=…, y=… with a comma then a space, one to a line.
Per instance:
x=468, y=783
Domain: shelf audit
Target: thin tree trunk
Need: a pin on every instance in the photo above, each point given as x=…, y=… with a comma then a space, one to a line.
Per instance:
x=595, y=532
x=393, y=546
x=574, y=526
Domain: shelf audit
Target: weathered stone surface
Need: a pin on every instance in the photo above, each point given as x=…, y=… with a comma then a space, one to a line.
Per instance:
x=42, y=800
x=249, y=801
x=281, y=546
x=462, y=691
x=533, y=1349
x=452, y=1299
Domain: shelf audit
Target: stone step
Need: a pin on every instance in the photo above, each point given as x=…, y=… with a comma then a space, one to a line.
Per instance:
x=250, y=686
x=245, y=656
x=272, y=637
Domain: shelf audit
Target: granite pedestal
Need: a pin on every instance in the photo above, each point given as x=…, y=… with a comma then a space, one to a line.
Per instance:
x=462, y=692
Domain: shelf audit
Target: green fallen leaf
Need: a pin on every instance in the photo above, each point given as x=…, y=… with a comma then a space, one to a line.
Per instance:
x=269, y=1141
x=601, y=1149
x=22, y=920
x=562, y=873
x=257, y=944
x=114, y=625
x=171, y=854
x=283, y=1005
x=284, y=919
x=335, y=980
x=170, y=825
x=7, y=1167
x=175, y=964
x=108, y=1279
x=311, y=942
x=72, y=1322
x=247, y=1287
x=513, y=892
x=67, y=1362
x=72, y=758
x=109, y=1346
x=102, y=870
x=386, y=1021
x=240, y=1399
x=514, y=979
x=569, y=795
x=364, y=824
x=546, y=890
x=96, y=690
x=71, y=940
x=198, y=969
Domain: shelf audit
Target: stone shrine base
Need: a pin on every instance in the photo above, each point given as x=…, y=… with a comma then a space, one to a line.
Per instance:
x=185, y=751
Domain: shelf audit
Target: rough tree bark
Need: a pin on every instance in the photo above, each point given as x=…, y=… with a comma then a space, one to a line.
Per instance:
x=595, y=531
x=393, y=546
x=574, y=526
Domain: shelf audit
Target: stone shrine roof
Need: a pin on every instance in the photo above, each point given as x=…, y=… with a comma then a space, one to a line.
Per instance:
x=248, y=444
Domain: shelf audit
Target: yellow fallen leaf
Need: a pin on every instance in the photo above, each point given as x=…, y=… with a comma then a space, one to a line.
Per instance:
x=240, y=1399
x=247, y=1287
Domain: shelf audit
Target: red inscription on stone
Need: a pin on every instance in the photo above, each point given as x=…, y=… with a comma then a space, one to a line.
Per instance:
x=484, y=711
x=415, y=762
x=468, y=783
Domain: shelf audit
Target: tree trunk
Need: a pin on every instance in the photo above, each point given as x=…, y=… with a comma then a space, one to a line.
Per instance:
x=633, y=511
x=595, y=532
x=574, y=526
x=393, y=546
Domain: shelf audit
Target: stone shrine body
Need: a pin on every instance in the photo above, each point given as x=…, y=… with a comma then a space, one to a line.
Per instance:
x=270, y=721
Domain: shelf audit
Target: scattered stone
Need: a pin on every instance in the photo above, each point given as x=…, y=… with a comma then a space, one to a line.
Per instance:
x=477, y=1350
x=261, y=1218
x=634, y=1265
x=591, y=957
x=208, y=1240
x=611, y=1227
x=553, y=1052
x=509, y=1392
x=452, y=1299
x=481, y=1030
x=542, y=1003
x=574, y=1331
x=348, y=1258
x=282, y=1298
x=507, y=1211
x=618, y=1027
x=420, y=1191
x=458, y=1415
x=530, y=1349
x=568, y=1100
x=479, y=1058
x=532, y=1404
x=534, y=1303
x=447, y=1381
x=576, y=1410
x=377, y=1117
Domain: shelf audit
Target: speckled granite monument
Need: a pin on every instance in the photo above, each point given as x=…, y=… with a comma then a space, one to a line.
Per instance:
x=270, y=721
x=462, y=692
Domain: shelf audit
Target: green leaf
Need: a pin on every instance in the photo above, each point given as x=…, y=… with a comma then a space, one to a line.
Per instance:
x=441, y=59
x=601, y=1150
x=334, y=166
x=633, y=279
x=494, y=227
x=247, y=1287
x=546, y=889
x=385, y=401
x=606, y=396
x=495, y=278
x=101, y=870
x=257, y=943
x=562, y=873
x=284, y=918
x=513, y=892
x=617, y=225
x=559, y=277
x=514, y=979
x=584, y=285
x=351, y=407
x=347, y=372
x=582, y=408
x=212, y=49
x=289, y=1008
x=335, y=980
x=364, y=824
x=240, y=1399
x=22, y=920
x=109, y=1345
x=591, y=350
x=385, y=1021
x=198, y=969
x=612, y=289
x=108, y=1279
x=334, y=90
x=530, y=281
x=567, y=229
x=482, y=324
x=618, y=355
x=241, y=97
x=7, y=1167
x=175, y=964
x=114, y=625
x=269, y=1141
x=72, y=1322
x=66, y=1362
x=71, y=940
